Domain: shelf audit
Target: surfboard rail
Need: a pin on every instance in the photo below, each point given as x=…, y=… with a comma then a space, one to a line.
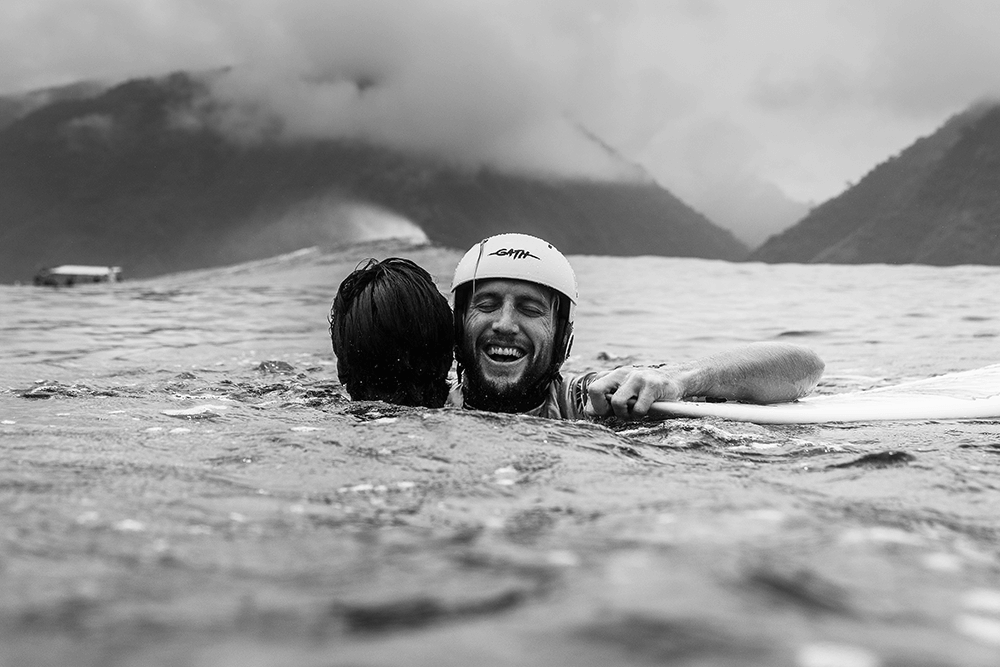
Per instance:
x=973, y=394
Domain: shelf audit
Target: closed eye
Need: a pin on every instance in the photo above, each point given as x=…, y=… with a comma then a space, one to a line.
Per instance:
x=486, y=305
x=533, y=308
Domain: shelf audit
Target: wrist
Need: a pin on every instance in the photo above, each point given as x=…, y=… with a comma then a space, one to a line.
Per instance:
x=688, y=384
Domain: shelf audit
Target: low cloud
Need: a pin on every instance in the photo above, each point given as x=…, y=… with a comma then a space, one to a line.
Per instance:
x=442, y=78
x=779, y=96
x=327, y=220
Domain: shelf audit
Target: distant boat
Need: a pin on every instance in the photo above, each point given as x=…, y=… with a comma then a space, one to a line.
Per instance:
x=68, y=275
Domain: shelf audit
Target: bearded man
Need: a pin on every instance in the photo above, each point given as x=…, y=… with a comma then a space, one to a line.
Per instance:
x=515, y=298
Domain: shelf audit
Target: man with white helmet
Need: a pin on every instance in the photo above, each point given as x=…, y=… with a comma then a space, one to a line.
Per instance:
x=515, y=299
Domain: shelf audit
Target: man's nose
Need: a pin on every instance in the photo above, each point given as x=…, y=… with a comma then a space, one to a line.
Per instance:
x=506, y=321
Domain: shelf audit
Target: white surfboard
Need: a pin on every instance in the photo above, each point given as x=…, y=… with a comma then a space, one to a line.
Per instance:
x=971, y=394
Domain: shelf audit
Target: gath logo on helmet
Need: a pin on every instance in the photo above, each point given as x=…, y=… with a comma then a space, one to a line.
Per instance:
x=516, y=253
x=501, y=257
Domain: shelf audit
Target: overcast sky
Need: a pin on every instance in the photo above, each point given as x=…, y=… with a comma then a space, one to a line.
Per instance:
x=806, y=95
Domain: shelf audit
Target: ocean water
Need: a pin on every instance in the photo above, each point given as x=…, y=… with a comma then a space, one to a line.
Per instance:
x=879, y=321
x=882, y=323
x=183, y=481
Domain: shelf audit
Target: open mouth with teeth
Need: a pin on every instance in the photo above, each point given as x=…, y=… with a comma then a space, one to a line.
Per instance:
x=504, y=354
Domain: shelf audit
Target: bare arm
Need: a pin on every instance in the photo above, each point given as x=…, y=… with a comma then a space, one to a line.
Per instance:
x=755, y=373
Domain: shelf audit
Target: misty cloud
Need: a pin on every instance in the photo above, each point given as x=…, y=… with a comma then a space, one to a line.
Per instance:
x=324, y=220
x=709, y=97
x=933, y=53
x=440, y=78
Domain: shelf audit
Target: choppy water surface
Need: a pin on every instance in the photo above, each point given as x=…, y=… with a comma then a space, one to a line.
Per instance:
x=883, y=322
x=176, y=454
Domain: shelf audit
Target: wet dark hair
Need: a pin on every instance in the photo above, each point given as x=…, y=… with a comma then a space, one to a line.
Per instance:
x=392, y=333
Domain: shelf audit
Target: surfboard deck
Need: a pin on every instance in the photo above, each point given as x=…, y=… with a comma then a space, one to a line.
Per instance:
x=973, y=394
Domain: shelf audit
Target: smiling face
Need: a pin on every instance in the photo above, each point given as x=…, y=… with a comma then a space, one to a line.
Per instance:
x=509, y=332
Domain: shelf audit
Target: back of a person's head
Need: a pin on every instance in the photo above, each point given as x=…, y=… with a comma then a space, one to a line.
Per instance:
x=392, y=333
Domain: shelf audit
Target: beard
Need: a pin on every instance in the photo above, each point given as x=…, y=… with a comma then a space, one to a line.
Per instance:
x=524, y=393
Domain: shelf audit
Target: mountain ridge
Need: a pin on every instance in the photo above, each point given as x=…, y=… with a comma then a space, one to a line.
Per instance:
x=119, y=178
x=936, y=202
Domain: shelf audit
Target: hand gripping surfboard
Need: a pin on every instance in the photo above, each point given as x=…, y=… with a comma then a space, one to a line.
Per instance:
x=973, y=394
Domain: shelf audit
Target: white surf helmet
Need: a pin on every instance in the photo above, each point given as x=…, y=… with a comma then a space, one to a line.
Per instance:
x=520, y=257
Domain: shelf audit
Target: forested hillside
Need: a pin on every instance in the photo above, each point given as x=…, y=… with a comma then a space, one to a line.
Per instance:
x=937, y=202
x=117, y=177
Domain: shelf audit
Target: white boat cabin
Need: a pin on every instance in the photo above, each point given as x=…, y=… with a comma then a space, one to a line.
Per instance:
x=68, y=275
